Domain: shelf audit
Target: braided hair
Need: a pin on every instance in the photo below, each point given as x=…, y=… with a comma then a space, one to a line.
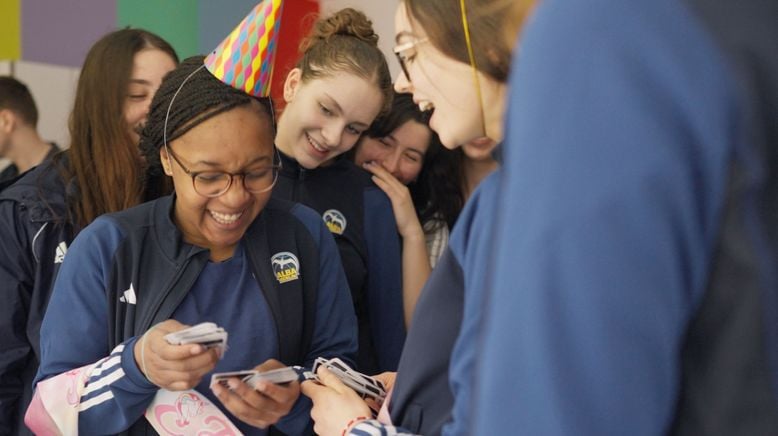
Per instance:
x=188, y=96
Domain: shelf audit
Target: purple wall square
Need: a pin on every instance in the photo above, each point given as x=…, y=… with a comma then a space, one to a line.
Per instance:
x=62, y=31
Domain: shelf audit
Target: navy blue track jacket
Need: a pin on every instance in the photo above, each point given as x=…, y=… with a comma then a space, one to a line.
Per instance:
x=34, y=237
x=361, y=219
x=130, y=270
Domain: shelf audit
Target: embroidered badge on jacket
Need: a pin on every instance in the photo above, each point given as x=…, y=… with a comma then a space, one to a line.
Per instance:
x=335, y=221
x=286, y=267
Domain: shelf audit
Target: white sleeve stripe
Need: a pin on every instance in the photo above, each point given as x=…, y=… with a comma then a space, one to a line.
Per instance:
x=367, y=428
x=110, y=378
x=106, y=365
x=367, y=431
x=105, y=396
x=372, y=427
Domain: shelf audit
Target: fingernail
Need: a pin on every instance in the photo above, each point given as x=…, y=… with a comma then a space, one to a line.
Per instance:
x=232, y=383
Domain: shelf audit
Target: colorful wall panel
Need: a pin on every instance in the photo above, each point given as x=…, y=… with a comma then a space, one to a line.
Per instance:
x=175, y=21
x=216, y=21
x=60, y=32
x=44, y=42
x=10, y=13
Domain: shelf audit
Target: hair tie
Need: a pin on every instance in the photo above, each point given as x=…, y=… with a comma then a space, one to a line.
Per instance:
x=352, y=423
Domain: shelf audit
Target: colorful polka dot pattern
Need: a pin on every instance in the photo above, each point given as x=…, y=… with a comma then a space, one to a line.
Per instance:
x=245, y=58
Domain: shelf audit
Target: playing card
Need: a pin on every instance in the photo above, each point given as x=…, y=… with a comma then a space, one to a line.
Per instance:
x=207, y=334
x=277, y=376
x=363, y=384
x=251, y=377
x=222, y=377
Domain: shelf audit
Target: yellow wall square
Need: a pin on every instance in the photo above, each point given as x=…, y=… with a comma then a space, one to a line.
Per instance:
x=10, y=30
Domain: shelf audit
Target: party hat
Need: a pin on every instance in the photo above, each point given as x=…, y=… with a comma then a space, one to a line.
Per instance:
x=244, y=60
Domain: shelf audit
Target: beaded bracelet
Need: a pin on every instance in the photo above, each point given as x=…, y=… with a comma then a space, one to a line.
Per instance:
x=352, y=423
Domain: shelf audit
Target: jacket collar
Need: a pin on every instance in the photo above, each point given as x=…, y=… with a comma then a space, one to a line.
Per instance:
x=171, y=239
x=292, y=169
x=168, y=235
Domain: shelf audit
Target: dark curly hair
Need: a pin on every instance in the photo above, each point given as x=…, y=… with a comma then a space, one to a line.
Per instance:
x=437, y=190
x=203, y=96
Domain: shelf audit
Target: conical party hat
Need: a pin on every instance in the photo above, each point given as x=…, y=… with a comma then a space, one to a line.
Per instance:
x=245, y=59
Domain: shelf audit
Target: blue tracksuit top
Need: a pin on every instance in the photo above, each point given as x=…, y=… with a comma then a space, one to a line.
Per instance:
x=431, y=381
x=75, y=328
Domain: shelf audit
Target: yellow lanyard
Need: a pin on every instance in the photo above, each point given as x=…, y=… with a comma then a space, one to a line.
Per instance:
x=472, y=62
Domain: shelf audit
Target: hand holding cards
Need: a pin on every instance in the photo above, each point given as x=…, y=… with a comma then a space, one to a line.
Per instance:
x=206, y=334
x=364, y=385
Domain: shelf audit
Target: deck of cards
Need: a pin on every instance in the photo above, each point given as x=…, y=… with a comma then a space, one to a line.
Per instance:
x=206, y=334
x=277, y=376
x=364, y=385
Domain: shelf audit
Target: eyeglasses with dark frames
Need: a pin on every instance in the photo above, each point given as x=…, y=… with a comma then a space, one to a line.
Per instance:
x=402, y=57
x=215, y=183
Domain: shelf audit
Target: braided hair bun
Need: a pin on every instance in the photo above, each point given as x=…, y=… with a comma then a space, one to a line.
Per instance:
x=346, y=22
x=345, y=42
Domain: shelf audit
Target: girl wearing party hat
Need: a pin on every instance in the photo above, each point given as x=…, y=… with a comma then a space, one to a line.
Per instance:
x=219, y=250
x=339, y=86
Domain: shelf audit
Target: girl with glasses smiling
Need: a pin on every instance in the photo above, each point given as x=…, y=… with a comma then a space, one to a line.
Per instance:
x=219, y=250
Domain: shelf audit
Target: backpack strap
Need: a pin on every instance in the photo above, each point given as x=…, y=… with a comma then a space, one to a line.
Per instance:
x=285, y=259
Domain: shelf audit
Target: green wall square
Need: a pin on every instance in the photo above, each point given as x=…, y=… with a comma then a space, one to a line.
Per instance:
x=174, y=20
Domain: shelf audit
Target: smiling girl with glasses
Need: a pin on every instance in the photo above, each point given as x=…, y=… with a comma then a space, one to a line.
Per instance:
x=219, y=249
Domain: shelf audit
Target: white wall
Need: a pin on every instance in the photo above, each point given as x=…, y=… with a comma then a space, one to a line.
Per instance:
x=381, y=12
x=53, y=88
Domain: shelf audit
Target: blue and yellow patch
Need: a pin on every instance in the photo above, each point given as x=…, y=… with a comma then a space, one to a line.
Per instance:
x=286, y=267
x=335, y=221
